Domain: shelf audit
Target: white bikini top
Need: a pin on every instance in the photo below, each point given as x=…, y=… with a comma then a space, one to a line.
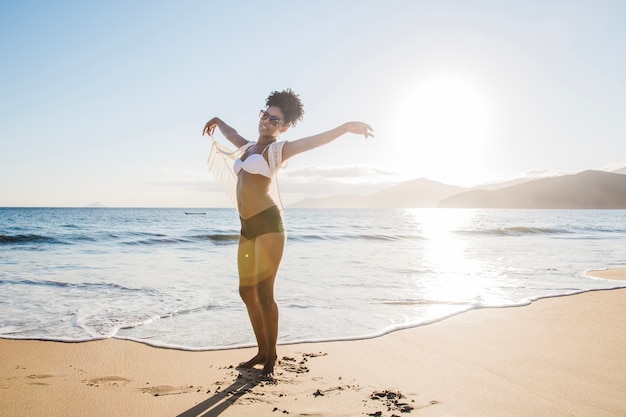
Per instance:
x=253, y=164
x=221, y=159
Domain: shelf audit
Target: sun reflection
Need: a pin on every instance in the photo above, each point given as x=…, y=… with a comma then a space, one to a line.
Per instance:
x=455, y=273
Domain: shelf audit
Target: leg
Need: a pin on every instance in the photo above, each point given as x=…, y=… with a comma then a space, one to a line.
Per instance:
x=268, y=255
x=249, y=294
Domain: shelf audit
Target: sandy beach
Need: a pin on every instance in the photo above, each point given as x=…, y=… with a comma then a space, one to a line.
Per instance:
x=561, y=356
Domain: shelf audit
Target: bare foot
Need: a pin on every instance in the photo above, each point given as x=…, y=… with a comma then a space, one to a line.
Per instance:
x=268, y=368
x=257, y=360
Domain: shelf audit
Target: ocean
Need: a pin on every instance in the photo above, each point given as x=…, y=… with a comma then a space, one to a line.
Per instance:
x=168, y=277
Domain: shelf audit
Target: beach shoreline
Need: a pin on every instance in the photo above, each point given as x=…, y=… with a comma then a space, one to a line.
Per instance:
x=557, y=356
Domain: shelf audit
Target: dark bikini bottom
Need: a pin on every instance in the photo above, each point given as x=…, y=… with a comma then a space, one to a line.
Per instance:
x=267, y=221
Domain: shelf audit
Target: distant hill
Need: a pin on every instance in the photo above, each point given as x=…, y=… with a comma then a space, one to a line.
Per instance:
x=335, y=201
x=96, y=204
x=585, y=190
x=498, y=185
x=415, y=193
x=620, y=171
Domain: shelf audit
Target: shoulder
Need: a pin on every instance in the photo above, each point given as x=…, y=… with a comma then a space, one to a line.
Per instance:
x=276, y=154
x=275, y=150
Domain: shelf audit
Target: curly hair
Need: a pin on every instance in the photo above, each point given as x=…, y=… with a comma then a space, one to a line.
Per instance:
x=289, y=103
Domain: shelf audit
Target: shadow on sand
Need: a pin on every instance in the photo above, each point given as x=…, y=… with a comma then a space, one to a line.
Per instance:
x=221, y=400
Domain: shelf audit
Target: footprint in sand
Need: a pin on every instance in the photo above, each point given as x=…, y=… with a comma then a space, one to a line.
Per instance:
x=112, y=381
x=297, y=366
x=160, y=390
x=37, y=377
x=395, y=400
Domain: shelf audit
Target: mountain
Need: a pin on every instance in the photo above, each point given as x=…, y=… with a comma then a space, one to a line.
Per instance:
x=335, y=201
x=585, y=190
x=96, y=204
x=620, y=171
x=498, y=185
x=415, y=193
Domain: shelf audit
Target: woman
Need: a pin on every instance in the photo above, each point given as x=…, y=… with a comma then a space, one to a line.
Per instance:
x=262, y=237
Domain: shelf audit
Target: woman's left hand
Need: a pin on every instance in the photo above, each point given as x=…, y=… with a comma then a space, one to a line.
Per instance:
x=360, y=128
x=210, y=126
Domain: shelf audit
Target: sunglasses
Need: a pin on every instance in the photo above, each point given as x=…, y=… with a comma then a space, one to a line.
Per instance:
x=274, y=120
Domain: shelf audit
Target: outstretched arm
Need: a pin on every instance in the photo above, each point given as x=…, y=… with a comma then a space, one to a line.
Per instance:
x=306, y=144
x=228, y=132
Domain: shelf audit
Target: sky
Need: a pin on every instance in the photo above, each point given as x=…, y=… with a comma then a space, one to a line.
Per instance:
x=105, y=101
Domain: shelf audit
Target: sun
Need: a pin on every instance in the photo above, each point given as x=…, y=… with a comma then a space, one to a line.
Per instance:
x=443, y=130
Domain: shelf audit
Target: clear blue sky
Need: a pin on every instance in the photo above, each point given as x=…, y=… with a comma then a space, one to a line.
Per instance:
x=105, y=101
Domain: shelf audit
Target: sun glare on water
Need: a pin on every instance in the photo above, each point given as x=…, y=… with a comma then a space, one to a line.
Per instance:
x=459, y=275
x=443, y=130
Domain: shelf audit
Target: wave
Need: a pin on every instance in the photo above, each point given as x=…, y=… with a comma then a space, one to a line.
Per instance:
x=217, y=238
x=169, y=315
x=157, y=241
x=516, y=231
x=163, y=239
x=27, y=238
x=423, y=301
x=126, y=238
x=93, y=286
x=361, y=335
x=119, y=325
x=346, y=236
x=616, y=230
x=527, y=230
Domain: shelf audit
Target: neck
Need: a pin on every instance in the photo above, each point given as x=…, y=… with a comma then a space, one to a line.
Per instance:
x=266, y=140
